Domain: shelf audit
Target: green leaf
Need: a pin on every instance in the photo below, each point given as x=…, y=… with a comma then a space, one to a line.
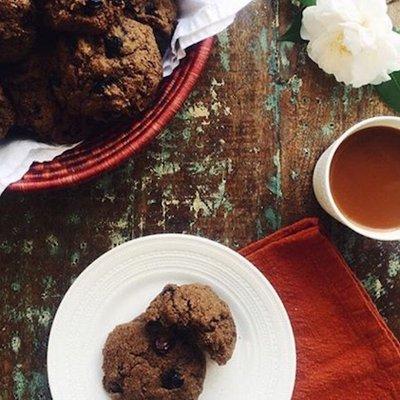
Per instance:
x=308, y=3
x=390, y=91
x=293, y=33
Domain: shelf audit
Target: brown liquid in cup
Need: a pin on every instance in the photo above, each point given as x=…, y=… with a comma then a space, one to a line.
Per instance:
x=365, y=177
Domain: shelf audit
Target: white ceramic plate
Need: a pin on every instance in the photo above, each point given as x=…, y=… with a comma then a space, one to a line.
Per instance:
x=120, y=284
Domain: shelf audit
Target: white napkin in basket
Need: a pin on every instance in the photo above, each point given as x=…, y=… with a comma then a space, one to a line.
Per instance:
x=199, y=19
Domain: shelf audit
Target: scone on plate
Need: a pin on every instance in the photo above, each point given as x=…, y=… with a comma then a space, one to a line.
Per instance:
x=160, y=354
x=197, y=308
x=145, y=361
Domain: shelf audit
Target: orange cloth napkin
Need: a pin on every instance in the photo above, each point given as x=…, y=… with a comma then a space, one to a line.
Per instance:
x=344, y=348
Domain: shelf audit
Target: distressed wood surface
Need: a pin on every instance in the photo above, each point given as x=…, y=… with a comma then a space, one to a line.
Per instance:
x=234, y=165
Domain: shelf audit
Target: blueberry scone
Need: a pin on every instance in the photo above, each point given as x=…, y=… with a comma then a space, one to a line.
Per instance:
x=145, y=361
x=110, y=77
x=198, y=309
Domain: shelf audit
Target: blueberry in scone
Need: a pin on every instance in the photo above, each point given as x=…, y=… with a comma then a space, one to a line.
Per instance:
x=161, y=15
x=81, y=16
x=7, y=115
x=17, y=29
x=198, y=309
x=145, y=361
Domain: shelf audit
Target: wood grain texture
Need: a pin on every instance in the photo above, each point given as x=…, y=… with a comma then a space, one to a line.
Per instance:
x=234, y=165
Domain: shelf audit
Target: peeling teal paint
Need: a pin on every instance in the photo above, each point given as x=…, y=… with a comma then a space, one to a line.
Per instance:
x=217, y=107
x=273, y=218
x=20, y=382
x=260, y=45
x=273, y=60
x=211, y=167
x=220, y=198
x=49, y=287
x=166, y=168
x=284, y=49
x=294, y=175
x=259, y=229
x=394, y=265
x=263, y=40
x=15, y=343
x=37, y=383
x=27, y=246
x=5, y=247
x=16, y=287
x=52, y=244
x=295, y=84
x=74, y=219
x=196, y=111
x=328, y=129
x=346, y=97
x=33, y=386
x=272, y=102
x=223, y=39
x=306, y=152
x=210, y=203
x=75, y=256
x=197, y=167
x=31, y=315
x=274, y=184
x=374, y=286
x=43, y=315
x=118, y=238
x=186, y=133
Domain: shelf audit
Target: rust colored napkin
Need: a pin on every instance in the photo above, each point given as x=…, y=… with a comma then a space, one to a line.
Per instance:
x=344, y=348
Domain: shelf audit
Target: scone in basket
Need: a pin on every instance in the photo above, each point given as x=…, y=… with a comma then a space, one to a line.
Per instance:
x=98, y=155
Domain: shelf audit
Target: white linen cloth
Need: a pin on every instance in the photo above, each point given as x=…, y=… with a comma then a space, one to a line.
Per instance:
x=199, y=19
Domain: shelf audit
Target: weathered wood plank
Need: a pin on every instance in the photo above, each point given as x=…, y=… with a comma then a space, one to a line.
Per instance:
x=234, y=165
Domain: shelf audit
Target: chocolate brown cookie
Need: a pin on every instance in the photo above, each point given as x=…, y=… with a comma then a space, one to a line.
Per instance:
x=28, y=89
x=17, y=30
x=143, y=361
x=81, y=16
x=29, y=86
x=197, y=308
x=7, y=115
x=112, y=77
x=161, y=15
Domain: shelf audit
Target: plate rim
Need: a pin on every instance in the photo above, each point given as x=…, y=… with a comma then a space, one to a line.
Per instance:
x=292, y=353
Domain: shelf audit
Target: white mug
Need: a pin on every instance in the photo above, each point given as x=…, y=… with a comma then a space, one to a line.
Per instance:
x=322, y=187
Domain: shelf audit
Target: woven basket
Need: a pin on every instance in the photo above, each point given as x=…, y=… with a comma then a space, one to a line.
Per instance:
x=96, y=156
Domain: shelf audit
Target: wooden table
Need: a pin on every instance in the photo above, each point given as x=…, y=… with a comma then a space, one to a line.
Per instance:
x=234, y=165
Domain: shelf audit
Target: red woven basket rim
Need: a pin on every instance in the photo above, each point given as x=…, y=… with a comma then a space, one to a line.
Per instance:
x=94, y=157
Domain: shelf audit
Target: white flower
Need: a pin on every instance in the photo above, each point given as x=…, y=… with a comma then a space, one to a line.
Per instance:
x=352, y=39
